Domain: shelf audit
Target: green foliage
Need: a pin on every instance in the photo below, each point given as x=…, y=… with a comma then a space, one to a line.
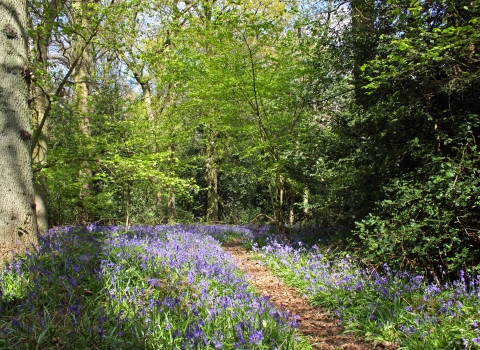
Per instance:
x=361, y=117
x=421, y=146
x=399, y=160
x=428, y=220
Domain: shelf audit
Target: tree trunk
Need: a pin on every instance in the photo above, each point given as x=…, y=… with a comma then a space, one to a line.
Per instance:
x=291, y=212
x=279, y=203
x=40, y=103
x=41, y=195
x=277, y=190
x=211, y=177
x=18, y=226
x=212, y=186
x=82, y=93
x=147, y=99
x=85, y=172
x=172, y=209
x=171, y=206
x=364, y=42
x=40, y=157
x=306, y=205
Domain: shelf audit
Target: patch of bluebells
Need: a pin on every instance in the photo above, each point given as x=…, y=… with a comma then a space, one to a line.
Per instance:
x=385, y=304
x=145, y=287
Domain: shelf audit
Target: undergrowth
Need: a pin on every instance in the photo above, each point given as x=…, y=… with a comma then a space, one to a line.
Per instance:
x=382, y=304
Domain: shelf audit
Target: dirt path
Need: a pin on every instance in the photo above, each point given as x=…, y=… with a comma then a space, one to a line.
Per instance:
x=322, y=330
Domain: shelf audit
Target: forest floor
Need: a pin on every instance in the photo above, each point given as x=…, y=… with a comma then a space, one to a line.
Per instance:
x=321, y=329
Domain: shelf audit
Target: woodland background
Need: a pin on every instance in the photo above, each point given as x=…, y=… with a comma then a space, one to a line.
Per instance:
x=359, y=116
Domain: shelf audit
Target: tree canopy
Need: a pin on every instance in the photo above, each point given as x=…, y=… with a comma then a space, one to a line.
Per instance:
x=361, y=116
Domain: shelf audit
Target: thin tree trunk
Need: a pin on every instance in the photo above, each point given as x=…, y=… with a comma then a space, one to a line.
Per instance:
x=18, y=225
x=306, y=211
x=291, y=213
x=40, y=103
x=171, y=206
x=40, y=157
x=212, y=186
x=41, y=197
x=364, y=41
x=84, y=122
x=127, y=207
x=277, y=202
x=172, y=209
x=211, y=177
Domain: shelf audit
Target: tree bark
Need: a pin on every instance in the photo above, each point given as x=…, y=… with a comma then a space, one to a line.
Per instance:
x=40, y=157
x=212, y=185
x=278, y=202
x=364, y=43
x=211, y=177
x=84, y=123
x=291, y=213
x=18, y=226
x=40, y=105
x=172, y=208
x=306, y=205
x=147, y=98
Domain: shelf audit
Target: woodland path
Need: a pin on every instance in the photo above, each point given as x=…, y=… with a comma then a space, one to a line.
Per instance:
x=322, y=330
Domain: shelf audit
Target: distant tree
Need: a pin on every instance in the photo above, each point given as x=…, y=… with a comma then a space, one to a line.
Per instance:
x=18, y=226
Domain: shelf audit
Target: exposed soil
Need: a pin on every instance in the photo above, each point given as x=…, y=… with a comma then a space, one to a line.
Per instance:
x=322, y=330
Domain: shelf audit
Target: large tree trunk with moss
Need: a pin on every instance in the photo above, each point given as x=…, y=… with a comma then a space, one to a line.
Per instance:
x=18, y=226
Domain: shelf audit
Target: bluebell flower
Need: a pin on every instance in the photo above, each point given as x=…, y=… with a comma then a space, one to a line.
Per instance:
x=100, y=332
x=256, y=337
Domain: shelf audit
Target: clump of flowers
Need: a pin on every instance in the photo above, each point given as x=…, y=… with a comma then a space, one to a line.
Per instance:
x=383, y=304
x=161, y=287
